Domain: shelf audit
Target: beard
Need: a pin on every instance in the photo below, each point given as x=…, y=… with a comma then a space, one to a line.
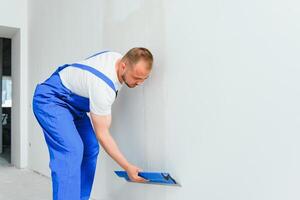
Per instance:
x=125, y=81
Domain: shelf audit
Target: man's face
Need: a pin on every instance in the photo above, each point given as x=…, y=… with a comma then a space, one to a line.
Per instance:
x=135, y=75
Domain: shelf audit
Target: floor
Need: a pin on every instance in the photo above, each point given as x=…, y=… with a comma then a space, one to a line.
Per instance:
x=16, y=184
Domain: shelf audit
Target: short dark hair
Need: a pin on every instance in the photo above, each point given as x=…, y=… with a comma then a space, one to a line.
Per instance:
x=137, y=53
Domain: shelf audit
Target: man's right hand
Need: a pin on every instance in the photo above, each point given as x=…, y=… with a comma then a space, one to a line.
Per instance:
x=132, y=172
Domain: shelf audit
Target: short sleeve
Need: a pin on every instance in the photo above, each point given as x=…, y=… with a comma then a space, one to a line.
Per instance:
x=101, y=96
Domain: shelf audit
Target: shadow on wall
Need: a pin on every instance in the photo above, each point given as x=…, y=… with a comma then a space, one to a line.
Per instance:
x=139, y=122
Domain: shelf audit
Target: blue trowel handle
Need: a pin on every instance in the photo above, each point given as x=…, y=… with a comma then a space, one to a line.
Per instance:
x=139, y=174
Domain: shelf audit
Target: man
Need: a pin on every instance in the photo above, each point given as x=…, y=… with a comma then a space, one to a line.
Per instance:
x=60, y=105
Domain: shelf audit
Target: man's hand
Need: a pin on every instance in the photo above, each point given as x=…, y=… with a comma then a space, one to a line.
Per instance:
x=132, y=172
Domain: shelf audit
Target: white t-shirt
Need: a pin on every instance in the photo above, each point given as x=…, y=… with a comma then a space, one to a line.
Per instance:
x=86, y=84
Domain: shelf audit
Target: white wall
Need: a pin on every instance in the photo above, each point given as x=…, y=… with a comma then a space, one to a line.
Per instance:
x=59, y=32
x=13, y=24
x=239, y=121
x=220, y=111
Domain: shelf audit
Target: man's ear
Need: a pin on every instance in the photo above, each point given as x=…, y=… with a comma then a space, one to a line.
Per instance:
x=123, y=66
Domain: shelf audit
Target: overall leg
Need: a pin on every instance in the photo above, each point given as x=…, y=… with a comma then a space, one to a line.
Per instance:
x=65, y=148
x=90, y=153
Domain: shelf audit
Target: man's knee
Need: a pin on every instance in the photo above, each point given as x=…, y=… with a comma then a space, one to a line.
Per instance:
x=91, y=150
x=75, y=152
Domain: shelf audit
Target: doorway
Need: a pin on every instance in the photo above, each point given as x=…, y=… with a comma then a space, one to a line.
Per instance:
x=6, y=96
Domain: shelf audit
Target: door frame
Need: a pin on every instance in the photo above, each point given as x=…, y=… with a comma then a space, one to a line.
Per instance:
x=19, y=111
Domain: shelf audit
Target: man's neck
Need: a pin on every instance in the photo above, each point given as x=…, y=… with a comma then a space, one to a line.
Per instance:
x=117, y=67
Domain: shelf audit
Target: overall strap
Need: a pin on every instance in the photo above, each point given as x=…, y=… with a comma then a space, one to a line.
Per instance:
x=93, y=71
x=97, y=73
x=96, y=54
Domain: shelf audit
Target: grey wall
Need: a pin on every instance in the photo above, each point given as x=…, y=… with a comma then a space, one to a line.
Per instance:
x=220, y=110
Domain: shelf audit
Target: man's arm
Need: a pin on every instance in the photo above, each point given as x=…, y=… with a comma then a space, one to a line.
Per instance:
x=101, y=125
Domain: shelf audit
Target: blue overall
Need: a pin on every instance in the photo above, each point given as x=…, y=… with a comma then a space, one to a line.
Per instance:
x=72, y=143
